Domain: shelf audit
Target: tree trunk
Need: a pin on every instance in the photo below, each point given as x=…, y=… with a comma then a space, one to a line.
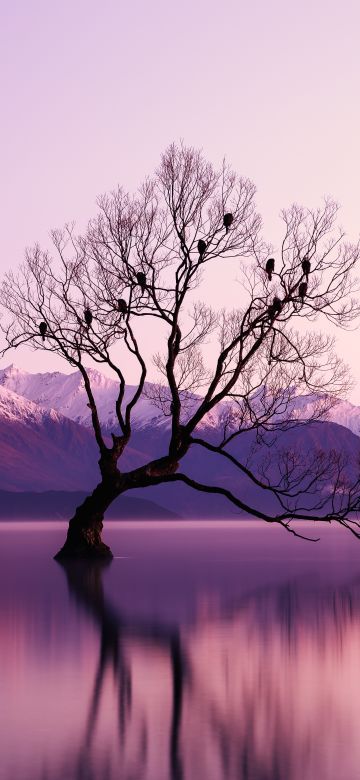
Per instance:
x=84, y=533
x=85, y=527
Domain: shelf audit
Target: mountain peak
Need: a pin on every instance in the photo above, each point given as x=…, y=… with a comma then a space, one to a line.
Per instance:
x=17, y=408
x=66, y=394
x=11, y=370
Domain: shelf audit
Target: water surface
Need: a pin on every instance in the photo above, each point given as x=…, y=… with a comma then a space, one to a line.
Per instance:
x=225, y=651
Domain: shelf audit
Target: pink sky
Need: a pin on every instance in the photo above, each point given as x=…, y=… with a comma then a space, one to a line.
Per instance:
x=93, y=92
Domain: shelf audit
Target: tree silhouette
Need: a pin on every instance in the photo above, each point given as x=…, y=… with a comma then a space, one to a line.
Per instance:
x=143, y=257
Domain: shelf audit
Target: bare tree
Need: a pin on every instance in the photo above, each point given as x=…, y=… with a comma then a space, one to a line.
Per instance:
x=143, y=257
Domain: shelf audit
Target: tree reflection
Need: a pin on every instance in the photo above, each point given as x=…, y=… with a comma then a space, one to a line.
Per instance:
x=248, y=688
x=85, y=582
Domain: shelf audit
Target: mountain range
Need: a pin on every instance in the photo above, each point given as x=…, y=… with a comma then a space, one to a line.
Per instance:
x=46, y=443
x=66, y=394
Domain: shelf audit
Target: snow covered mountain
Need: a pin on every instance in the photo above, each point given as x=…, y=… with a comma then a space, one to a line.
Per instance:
x=16, y=408
x=42, y=449
x=66, y=393
x=342, y=412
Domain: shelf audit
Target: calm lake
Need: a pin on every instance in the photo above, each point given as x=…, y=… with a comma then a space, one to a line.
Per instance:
x=217, y=651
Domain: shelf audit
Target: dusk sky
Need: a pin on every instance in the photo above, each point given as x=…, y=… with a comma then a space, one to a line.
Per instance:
x=195, y=638
x=93, y=92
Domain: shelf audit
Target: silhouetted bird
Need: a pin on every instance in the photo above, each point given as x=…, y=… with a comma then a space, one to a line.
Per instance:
x=269, y=268
x=88, y=317
x=302, y=290
x=306, y=265
x=43, y=329
x=201, y=248
x=122, y=306
x=141, y=280
x=228, y=220
x=275, y=307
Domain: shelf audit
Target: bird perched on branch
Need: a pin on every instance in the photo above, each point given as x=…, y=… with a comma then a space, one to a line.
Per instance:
x=141, y=280
x=43, y=329
x=275, y=307
x=302, y=290
x=306, y=265
x=201, y=248
x=88, y=316
x=269, y=268
x=122, y=306
x=228, y=220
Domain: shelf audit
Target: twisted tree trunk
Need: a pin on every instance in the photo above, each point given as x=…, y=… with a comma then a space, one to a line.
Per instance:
x=85, y=527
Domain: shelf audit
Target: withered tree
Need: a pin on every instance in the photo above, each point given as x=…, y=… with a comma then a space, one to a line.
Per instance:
x=143, y=257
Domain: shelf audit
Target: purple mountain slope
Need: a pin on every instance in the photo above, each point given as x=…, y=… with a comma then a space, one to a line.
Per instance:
x=41, y=450
x=60, y=505
x=213, y=469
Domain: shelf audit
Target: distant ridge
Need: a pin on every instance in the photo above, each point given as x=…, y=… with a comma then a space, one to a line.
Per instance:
x=42, y=450
x=65, y=393
x=59, y=505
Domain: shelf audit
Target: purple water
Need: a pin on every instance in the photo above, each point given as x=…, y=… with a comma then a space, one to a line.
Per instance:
x=212, y=650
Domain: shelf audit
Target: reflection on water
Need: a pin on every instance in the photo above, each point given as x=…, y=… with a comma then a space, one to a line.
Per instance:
x=204, y=651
